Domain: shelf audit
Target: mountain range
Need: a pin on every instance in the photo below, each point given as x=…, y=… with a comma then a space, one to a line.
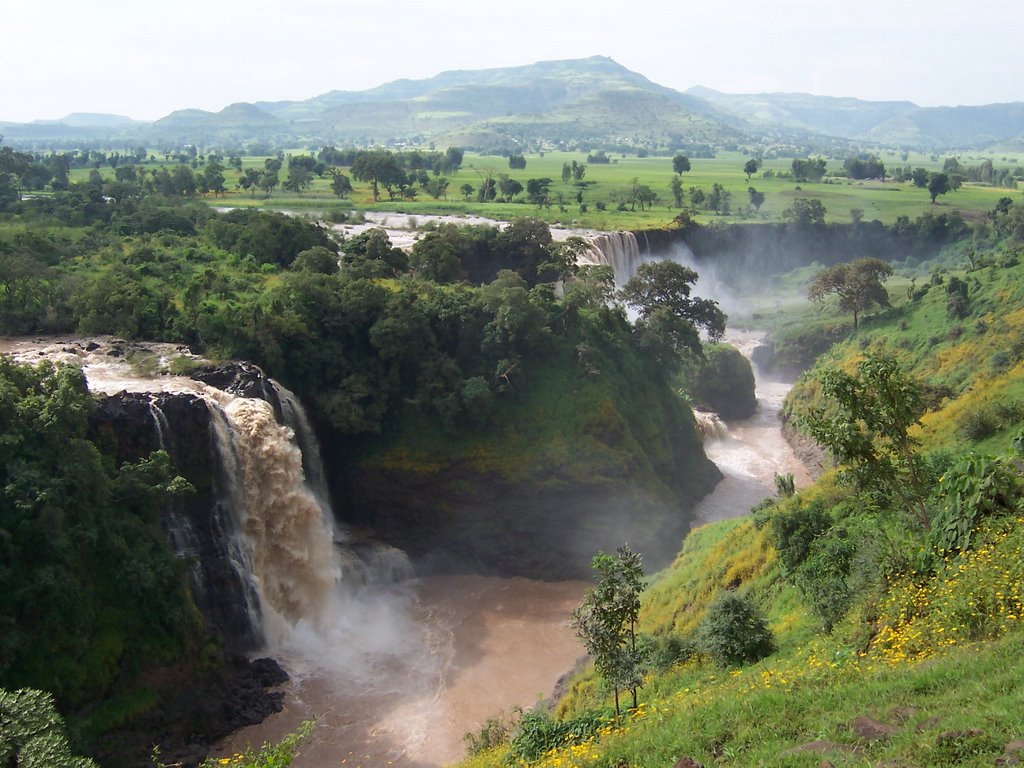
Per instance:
x=593, y=102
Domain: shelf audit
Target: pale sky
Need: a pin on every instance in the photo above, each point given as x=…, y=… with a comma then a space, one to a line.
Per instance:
x=146, y=58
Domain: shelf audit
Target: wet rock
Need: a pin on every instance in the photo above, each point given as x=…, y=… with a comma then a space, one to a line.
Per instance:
x=268, y=672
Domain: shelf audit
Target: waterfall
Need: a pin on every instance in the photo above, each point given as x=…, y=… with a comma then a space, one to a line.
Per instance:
x=710, y=426
x=266, y=556
x=618, y=250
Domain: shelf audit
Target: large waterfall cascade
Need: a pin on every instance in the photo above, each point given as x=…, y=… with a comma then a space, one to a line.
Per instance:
x=273, y=520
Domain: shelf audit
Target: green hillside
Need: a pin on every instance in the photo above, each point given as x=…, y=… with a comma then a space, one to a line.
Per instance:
x=896, y=640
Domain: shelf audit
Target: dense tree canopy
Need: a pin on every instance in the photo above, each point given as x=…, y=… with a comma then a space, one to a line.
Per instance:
x=660, y=293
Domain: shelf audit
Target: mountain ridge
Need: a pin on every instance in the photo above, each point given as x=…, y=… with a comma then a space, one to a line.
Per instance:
x=593, y=101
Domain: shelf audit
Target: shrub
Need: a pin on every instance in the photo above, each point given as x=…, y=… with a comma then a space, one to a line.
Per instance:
x=734, y=631
x=538, y=733
x=494, y=732
x=978, y=425
x=664, y=651
x=823, y=577
x=794, y=530
x=972, y=488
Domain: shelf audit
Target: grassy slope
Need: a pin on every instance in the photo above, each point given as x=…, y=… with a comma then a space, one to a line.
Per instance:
x=931, y=655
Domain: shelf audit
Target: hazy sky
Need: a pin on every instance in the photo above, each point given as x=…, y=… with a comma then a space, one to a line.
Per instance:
x=145, y=58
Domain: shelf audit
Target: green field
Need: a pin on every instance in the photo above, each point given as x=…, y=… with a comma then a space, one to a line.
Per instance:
x=610, y=183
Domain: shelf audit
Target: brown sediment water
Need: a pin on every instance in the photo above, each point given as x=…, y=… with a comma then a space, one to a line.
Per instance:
x=410, y=668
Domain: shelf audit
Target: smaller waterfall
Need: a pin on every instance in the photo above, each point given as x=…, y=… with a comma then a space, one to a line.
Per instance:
x=710, y=426
x=618, y=250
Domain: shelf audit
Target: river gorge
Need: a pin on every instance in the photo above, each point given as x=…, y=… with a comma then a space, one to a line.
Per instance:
x=394, y=668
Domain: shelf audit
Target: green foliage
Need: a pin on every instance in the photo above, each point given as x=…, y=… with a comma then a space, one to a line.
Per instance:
x=858, y=286
x=88, y=585
x=785, y=485
x=869, y=428
x=537, y=732
x=660, y=293
x=606, y=622
x=824, y=576
x=972, y=488
x=722, y=381
x=32, y=732
x=494, y=732
x=279, y=755
x=794, y=530
x=734, y=632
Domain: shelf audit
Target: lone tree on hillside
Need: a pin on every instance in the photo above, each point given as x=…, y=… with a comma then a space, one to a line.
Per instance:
x=606, y=622
x=660, y=293
x=857, y=284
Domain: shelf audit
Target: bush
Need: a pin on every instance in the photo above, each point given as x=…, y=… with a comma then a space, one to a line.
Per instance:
x=734, y=631
x=793, y=531
x=972, y=488
x=823, y=577
x=665, y=651
x=538, y=733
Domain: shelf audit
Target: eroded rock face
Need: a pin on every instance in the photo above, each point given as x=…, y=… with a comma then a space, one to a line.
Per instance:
x=461, y=521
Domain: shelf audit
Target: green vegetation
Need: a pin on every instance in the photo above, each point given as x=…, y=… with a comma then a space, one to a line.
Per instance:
x=872, y=641
x=90, y=589
x=606, y=622
x=462, y=360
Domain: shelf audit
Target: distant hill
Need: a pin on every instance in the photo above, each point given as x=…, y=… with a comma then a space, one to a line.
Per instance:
x=591, y=102
x=893, y=123
x=90, y=119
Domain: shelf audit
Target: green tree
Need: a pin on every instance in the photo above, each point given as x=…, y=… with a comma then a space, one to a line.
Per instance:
x=268, y=181
x=751, y=167
x=680, y=164
x=298, y=179
x=676, y=185
x=756, y=198
x=938, y=184
x=467, y=191
x=381, y=169
x=806, y=212
x=213, y=176
x=438, y=187
x=341, y=185
x=734, y=632
x=606, y=621
x=32, y=732
x=660, y=293
x=809, y=169
x=250, y=180
x=858, y=285
x=920, y=177
x=867, y=429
